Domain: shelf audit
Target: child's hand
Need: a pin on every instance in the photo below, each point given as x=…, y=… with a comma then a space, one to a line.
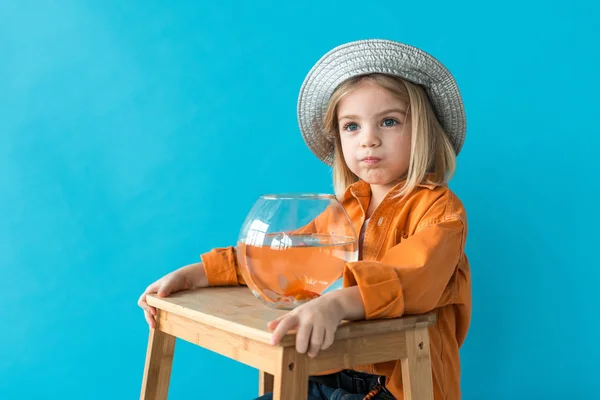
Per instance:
x=315, y=321
x=188, y=277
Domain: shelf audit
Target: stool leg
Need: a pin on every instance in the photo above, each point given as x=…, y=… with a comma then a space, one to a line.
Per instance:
x=416, y=368
x=157, y=371
x=291, y=380
x=265, y=383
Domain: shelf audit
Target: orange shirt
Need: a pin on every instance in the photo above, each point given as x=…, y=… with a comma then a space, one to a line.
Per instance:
x=413, y=262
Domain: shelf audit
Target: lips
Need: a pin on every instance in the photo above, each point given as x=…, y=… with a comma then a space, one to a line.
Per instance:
x=371, y=160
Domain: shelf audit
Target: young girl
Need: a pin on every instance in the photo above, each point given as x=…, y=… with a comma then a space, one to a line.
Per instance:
x=389, y=119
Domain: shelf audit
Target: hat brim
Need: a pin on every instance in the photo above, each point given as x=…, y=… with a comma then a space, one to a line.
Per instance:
x=371, y=56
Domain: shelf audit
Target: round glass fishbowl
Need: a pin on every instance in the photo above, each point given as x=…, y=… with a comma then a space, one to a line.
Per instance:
x=292, y=248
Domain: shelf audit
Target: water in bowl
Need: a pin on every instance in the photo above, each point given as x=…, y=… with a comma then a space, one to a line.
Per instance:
x=289, y=270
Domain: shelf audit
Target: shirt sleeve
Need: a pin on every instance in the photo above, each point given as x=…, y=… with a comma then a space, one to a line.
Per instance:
x=221, y=267
x=415, y=276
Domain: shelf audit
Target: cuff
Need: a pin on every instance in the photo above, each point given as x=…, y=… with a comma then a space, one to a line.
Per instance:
x=379, y=287
x=221, y=267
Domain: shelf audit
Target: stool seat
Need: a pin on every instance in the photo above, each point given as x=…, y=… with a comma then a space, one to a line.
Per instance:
x=232, y=322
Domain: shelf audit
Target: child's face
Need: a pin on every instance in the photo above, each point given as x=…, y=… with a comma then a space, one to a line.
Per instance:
x=375, y=134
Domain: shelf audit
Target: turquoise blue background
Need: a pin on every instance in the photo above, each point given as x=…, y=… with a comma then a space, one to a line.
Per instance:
x=135, y=135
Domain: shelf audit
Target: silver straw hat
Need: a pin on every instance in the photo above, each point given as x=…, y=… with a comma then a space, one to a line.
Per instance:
x=387, y=57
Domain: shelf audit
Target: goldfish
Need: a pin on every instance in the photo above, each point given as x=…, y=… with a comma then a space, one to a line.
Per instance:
x=297, y=290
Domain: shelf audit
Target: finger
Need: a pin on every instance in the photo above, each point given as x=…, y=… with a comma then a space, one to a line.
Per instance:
x=142, y=303
x=153, y=288
x=316, y=341
x=303, y=337
x=273, y=324
x=166, y=288
x=150, y=319
x=329, y=337
x=149, y=309
x=150, y=289
x=282, y=329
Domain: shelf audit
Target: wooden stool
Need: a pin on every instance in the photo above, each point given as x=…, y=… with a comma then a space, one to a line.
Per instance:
x=232, y=322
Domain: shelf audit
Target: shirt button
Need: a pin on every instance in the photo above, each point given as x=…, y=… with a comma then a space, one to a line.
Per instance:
x=380, y=221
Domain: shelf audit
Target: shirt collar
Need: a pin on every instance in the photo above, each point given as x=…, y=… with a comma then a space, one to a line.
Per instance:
x=362, y=188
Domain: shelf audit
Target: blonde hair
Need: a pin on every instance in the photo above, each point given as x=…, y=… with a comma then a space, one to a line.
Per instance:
x=432, y=156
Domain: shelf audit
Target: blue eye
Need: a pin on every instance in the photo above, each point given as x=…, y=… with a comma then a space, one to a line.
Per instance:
x=390, y=122
x=351, y=127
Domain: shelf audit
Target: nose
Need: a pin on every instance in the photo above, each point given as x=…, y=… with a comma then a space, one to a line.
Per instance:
x=370, y=137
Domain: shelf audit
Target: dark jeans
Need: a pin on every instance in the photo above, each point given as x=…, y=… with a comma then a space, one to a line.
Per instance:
x=345, y=385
